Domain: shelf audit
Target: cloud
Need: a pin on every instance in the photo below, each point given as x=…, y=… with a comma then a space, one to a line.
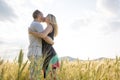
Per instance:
x=112, y=26
x=6, y=12
x=109, y=7
x=77, y=24
x=10, y=49
x=115, y=25
x=1, y=42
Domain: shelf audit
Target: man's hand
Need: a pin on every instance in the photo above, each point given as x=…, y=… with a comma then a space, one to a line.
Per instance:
x=29, y=31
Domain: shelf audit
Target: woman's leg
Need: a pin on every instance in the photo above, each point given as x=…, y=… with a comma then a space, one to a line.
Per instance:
x=53, y=73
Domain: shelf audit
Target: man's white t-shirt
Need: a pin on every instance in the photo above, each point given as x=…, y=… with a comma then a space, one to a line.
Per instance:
x=35, y=43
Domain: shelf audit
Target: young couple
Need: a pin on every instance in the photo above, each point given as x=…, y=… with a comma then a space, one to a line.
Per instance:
x=41, y=42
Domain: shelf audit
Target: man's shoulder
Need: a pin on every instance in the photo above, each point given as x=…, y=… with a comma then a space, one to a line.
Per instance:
x=35, y=23
x=37, y=26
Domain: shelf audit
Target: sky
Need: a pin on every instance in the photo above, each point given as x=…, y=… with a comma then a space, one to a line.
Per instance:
x=87, y=28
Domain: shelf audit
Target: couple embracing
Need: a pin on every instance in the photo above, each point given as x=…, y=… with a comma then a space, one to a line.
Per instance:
x=41, y=41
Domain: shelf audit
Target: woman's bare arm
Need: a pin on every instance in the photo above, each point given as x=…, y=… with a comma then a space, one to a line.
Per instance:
x=42, y=35
x=47, y=31
x=49, y=40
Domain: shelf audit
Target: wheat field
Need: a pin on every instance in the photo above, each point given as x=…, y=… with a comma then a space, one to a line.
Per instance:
x=106, y=69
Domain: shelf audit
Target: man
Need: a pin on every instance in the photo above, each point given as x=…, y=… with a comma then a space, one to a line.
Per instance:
x=35, y=46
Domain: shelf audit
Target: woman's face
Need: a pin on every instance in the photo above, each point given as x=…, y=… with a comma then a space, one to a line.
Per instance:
x=47, y=20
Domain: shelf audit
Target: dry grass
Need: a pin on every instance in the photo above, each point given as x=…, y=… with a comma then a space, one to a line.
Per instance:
x=106, y=69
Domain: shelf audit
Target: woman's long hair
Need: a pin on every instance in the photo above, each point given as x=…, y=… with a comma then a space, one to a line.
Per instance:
x=53, y=22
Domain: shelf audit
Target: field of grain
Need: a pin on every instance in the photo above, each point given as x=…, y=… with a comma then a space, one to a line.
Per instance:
x=106, y=69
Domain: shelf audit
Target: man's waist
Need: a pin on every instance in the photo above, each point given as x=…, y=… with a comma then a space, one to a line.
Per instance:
x=34, y=45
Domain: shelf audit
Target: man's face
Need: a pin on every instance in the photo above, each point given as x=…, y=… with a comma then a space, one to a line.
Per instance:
x=43, y=19
x=40, y=18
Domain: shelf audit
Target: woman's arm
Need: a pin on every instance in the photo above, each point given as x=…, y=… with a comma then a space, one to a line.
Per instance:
x=37, y=34
x=48, y=40
x=42, y=35
x=47, y=31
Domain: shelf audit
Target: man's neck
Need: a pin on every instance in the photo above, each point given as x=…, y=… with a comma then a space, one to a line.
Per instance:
x=36, y=20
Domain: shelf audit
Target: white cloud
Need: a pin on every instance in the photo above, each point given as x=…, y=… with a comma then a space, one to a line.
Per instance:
x=109, y=7
x=81, y=27
x=86, y=35
x=113, y=26
x=6, y=11
x=88, y=39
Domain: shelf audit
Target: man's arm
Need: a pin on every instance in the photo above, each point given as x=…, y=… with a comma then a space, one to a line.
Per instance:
x=41, y=35
x=48, y=40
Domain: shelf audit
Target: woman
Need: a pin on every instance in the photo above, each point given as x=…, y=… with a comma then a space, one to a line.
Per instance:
x=50, y=56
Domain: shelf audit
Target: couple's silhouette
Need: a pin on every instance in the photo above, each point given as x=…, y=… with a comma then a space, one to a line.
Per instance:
x=41, y=42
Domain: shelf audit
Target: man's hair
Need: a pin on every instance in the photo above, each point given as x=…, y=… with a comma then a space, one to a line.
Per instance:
x=36, y=13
